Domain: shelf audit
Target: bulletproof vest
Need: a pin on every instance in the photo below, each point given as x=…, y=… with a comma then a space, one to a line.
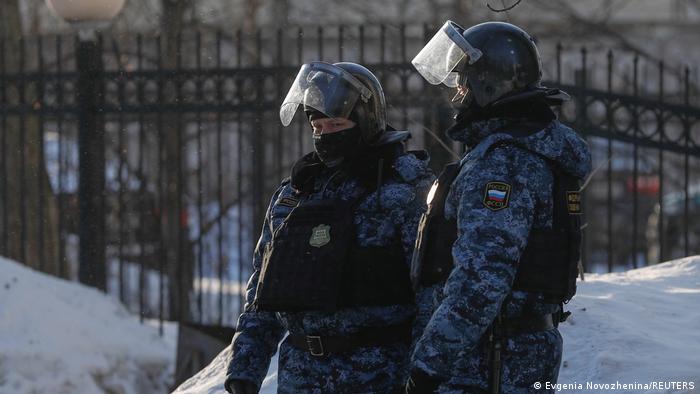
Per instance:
x=549, y=263
x=313, y=263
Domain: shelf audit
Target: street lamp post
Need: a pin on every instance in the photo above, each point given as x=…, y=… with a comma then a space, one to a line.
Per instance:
x=88, y=16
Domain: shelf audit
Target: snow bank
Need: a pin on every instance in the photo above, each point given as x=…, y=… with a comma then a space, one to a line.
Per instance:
x=210, y=380
x=633, y=327
x=637, y=326
x=61, y=337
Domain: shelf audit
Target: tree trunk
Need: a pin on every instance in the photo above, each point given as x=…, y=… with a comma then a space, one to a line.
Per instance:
x=179, y=257
x=29, y=208
x=250, y=24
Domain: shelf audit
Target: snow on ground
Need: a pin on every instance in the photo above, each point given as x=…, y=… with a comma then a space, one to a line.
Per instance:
x=636, y=326
x=633, y=327
x=210, y=380
x=61, y=337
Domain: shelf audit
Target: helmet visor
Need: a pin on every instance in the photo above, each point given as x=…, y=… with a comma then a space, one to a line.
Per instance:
x=442, y=53
x=452, y=80
x=325, y=88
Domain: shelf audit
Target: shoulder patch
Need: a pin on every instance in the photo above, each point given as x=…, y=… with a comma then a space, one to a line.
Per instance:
x=573, y=202
x=496, y=195
x=288, y=202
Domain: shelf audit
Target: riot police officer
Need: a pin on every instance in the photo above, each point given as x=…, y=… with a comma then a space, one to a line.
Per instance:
x=499, y=243
x=331, y=267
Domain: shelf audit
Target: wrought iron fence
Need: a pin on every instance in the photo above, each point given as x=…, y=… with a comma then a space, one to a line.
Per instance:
x=162, y=171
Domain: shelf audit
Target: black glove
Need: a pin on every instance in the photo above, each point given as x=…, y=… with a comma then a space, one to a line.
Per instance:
x=420, y=382
x=240, y=386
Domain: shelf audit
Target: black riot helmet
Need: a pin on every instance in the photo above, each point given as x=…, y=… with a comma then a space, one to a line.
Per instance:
x=370, y=115
x=496, y=61
x=344, y=90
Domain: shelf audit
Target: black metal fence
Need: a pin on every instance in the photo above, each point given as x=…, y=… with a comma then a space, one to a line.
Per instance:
x=151, y=179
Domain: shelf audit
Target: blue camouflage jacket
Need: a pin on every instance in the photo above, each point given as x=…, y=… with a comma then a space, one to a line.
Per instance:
x=486, y=254
x=378, y=223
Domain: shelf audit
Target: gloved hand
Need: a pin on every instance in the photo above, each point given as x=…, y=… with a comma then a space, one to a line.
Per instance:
x=240, y=386
x=420, y=382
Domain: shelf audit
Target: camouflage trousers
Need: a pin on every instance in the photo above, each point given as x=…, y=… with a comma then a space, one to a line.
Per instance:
x=527, y=359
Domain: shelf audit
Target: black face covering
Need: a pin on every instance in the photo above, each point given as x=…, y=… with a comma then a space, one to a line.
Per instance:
x=333, y=148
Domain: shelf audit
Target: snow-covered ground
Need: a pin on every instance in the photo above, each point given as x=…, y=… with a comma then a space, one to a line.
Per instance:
x=61, y=337
x=210, y=380
x=635, y=327
x=638, y=326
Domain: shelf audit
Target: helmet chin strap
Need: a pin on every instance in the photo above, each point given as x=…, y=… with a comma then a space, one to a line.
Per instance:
x=463, y=98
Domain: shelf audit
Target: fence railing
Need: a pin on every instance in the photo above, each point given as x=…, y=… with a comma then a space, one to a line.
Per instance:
x=182, y=159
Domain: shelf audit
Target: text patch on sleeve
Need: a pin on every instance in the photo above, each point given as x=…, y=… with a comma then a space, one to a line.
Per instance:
x=496, y=195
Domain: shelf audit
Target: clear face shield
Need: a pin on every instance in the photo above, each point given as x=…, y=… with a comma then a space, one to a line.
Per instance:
x=439, y=57
x=325, y=88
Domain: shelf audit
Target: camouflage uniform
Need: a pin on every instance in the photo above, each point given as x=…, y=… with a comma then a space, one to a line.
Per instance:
x=388, y=214
x=486, y=253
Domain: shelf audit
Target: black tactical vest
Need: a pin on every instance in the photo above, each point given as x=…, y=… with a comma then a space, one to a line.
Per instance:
x=549, y=263
x=313, y=263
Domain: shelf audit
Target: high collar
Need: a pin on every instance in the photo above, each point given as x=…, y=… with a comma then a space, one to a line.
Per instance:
x=364, y=168
x=474, y=132
x=473, y=124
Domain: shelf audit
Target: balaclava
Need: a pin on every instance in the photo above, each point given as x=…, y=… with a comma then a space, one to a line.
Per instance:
x=333, y=148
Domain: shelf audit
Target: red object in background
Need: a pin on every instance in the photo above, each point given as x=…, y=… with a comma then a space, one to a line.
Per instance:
x=184, y=217
x=646, y=184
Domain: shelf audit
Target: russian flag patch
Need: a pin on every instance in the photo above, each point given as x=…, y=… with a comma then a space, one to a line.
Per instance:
x=496, y=195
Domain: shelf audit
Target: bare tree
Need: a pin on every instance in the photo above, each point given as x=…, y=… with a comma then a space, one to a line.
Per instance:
x=178, y=252
x=30, y=208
